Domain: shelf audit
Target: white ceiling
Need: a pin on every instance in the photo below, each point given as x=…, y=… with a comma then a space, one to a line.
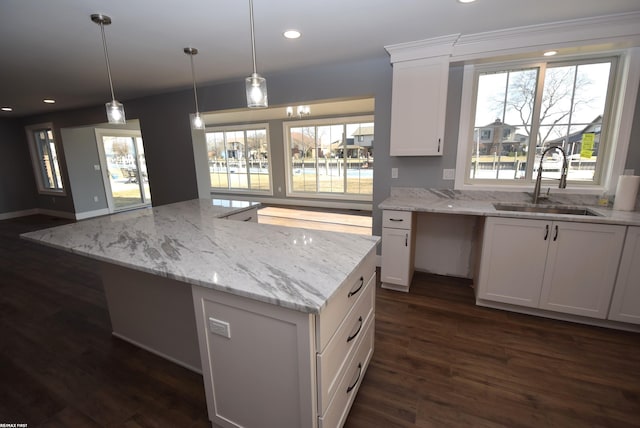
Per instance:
x=51, y=48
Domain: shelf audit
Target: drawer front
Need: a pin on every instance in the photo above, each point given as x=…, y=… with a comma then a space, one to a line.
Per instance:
x=343, y=300
x=338, y=409
x=247, y=215
x=397, y=219
x=332, y=363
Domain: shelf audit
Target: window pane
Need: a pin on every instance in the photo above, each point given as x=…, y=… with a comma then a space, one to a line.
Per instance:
x=331, y=169
x=239, y=159
x=217, y=160
x=258, y=159
x=359, y=171
x=303, y=168
x=504, y=114
x=48, y=159
x=573, y=107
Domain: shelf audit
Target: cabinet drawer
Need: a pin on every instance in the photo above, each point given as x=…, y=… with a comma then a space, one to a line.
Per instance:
x=343, y=300
x=349, y=384
x=246, y=215
x=397, y=219
x=332, y=363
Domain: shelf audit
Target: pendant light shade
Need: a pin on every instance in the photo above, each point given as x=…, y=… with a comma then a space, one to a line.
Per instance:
x=196, y=122
x=256, y=85
x=115, y=110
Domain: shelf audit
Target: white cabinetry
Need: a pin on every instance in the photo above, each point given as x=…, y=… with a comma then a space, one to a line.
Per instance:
x=567, y=267
x=625, y=304
x=418, y=106
x=268, y=366
x=398, y=246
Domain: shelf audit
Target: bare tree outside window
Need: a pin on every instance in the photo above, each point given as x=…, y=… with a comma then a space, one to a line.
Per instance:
x=572, y=101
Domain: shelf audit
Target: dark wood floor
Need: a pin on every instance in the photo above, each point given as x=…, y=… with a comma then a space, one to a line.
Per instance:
x=440, y=361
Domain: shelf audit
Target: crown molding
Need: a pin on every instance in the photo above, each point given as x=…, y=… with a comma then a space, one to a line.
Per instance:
x=606, y=32
x=419, y=49
x=619, y=30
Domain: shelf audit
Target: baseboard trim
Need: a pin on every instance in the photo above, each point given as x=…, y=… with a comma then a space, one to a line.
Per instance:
x=159, y=354
x=21, y=213
x=90, y=214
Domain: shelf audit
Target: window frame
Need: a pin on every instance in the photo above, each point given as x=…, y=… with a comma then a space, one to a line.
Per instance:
x=336, y=120
x=244, y=127
x=620, y=107
x=36, y=161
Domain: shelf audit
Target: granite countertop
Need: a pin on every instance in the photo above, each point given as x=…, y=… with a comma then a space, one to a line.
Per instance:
x=480, y=203
x=298, y=269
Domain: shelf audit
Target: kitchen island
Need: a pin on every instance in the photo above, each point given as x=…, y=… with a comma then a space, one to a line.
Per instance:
x=260, y=310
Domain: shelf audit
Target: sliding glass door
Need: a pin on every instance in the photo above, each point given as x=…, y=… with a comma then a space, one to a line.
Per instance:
x=124, y=167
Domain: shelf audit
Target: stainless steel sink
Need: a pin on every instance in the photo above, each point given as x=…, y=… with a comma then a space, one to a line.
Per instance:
x=545, y=209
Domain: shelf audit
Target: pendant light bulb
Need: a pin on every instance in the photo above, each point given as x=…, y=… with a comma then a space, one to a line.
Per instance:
x=115, y=110
x=256, y=85
x=197, y=122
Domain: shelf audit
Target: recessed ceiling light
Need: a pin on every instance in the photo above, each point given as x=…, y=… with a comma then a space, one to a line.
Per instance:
x=466, y=1
x=291, y=34
x=550, y=53
x=6, y=109
x=49, y=101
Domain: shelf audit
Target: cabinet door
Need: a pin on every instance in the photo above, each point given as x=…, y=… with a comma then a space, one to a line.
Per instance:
x=418, y=105
x=581, y=268
x=625, y=304
x=512, y=263
x=396, y=256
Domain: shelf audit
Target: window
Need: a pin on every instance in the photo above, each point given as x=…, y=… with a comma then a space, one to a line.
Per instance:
x=44, y=156
x=330, y=157
x=239, y=158
x=521, y=111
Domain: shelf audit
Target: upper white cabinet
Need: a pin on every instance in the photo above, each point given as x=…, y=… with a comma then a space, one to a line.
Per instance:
x=419, y=98
x=625, y=304
x=418, y=106
x=566, y=267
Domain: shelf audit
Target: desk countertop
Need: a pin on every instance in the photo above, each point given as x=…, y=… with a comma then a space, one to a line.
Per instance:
x=480, y=203
x=298, y=269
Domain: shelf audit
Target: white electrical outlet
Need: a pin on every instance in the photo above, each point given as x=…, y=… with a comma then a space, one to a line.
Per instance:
x=96, y=167
x=394, y=172
x=448, y=174
x=221, y=328
x=95, y=199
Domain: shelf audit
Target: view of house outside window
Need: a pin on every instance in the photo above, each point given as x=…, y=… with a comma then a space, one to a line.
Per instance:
x=519, y=113
x=46, y=158
x=239, y=158
x=331, y=156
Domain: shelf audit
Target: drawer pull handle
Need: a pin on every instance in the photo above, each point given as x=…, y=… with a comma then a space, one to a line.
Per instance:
x=354, y=292
x=350, y=338
x=350, y=388
x=555, y=236
x=248, y=218
x=396, y=219
x=546, y=232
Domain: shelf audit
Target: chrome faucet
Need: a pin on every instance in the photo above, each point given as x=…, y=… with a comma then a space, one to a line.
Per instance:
x=563, y=174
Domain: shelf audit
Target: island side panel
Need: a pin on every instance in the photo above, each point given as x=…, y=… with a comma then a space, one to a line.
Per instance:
x=152, y=312
x=258, y=361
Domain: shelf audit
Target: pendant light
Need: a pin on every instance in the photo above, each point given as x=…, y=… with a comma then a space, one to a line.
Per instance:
x=197, y=122
x=115, y=110
x=256, y=84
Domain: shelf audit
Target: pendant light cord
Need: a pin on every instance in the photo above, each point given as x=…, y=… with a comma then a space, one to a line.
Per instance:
x=106, y=57
x=193, y=76
x=253, y=37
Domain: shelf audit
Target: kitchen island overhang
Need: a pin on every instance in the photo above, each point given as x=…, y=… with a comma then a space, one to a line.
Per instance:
x=155, y=262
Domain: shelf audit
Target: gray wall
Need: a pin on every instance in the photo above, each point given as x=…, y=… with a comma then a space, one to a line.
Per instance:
x=17, y=183
x=164, y=123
